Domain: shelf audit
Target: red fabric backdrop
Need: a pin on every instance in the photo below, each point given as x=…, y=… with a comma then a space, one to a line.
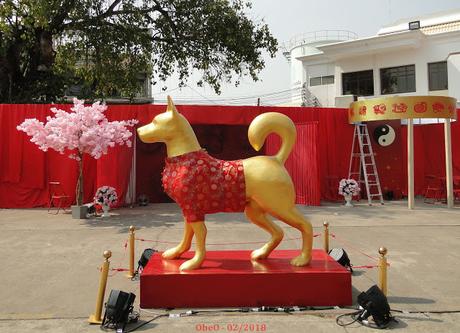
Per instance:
x=303, y=163
x=25, y=170
x=429, y=154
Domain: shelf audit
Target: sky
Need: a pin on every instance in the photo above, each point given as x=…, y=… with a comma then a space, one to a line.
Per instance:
x=287, y=18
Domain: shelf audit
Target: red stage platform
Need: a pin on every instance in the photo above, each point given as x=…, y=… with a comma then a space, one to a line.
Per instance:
x=231, y=279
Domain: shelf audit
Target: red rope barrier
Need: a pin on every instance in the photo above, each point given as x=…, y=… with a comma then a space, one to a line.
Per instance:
x=365, y=266
x=116, y=270
x=125, y=246
x=353, y=247
x=359, y=251
x=215, y=244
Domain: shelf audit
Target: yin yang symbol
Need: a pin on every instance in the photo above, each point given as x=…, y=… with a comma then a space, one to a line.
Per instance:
x=384, y=135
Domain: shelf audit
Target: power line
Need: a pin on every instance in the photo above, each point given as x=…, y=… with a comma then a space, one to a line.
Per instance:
x=239, y=100
x=201, y=94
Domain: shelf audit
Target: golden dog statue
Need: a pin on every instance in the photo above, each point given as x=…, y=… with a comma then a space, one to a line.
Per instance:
x=201, y=184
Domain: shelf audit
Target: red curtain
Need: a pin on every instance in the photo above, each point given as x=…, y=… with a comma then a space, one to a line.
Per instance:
x=25, y=171
x=429, y=154
x=303, y=163
x=335, y=139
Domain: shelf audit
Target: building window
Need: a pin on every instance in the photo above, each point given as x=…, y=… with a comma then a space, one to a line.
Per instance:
x=437, y=75
x=397, y=79
x=358, y=83
x=329, y=79
x=315, y=81
x=321, y=80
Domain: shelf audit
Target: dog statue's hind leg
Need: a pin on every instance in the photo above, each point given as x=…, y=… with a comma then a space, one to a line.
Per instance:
x=296, y=220
x=183, y=246
x=268, y=183
x=257, y=216
x=200, y=231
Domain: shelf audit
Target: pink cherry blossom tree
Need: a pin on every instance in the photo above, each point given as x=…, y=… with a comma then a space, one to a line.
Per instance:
x=84, y=130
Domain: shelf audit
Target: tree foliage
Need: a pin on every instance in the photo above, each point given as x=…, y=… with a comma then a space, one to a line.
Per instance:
x=48, y=45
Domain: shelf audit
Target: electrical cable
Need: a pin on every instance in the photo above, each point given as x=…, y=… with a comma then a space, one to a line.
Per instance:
x=420, y=312
x=355, y=319
x=360, y=317
x=196, y=91
x=357, y=316
x=147, y=322
x=238, y=100
x=274, y=93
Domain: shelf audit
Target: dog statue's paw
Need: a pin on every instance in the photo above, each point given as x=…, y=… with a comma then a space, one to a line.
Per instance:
x=301, y=260
x=191, y=264
x=173, y=253
x=261, y=253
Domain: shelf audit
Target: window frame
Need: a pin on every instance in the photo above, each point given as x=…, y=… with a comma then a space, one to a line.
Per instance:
x=358, y=79
x=321, y=80
x=319, y=83
x=430, y=77
x=398, y=91
x=325, y=77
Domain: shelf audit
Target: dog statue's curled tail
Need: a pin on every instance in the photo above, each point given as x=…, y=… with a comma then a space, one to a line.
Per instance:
x=201, y=184
x=273, y=122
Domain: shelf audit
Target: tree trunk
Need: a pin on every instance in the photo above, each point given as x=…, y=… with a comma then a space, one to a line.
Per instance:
x=79, y=193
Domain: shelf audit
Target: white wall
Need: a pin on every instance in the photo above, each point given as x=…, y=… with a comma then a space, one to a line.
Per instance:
x=453, y=72
x=324, y=93
x=431, y=49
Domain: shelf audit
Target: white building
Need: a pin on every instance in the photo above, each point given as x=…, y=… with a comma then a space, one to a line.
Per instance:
x=420, y=56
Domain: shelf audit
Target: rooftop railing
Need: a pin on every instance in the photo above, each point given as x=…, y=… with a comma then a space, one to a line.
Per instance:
x=318, y=36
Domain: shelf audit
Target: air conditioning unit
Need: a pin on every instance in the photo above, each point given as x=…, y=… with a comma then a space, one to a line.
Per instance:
x=344, y=101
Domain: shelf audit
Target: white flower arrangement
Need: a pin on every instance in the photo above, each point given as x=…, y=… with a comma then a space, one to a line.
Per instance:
x=106, y=195
x=348, y=187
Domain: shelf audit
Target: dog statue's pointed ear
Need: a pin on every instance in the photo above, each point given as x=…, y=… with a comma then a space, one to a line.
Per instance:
x=171, y=106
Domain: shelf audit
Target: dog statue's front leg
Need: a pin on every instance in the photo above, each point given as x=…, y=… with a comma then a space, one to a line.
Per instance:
x=183, y=246
x=199, y=229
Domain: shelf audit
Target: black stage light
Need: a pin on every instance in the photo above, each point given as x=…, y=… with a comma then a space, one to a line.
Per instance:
x=118, y=309
x=375, y=304
x=143, y=261
x=145, y=257
x=339, y=255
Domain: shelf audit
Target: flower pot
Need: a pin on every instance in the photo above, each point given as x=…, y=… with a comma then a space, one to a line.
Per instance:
x=105, y=209
x=348, y=198
x=79, y=212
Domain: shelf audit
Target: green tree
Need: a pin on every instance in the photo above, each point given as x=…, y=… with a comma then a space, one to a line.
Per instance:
x=48, y=45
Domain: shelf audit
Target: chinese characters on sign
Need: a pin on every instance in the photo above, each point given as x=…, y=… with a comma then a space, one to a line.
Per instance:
x=402, y=107
x=380, y=108
x=399, y=107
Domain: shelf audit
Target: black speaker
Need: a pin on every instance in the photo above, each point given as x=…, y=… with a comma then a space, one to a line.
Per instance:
x=117, y=309
x=339, y=255
x=143, y=200
x=375, y=304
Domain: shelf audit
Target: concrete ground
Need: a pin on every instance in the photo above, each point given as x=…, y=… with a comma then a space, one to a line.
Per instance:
x=49, y=265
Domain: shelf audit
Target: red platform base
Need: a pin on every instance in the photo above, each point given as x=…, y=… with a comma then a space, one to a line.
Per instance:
x=231, y=279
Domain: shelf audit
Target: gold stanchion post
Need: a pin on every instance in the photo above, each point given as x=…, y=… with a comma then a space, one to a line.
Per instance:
x=131, y=239
x=326, y=236
x=383, y=271
x=96, y=317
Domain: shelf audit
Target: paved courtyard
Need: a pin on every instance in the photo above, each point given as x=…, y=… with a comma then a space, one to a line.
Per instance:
x=49, y=264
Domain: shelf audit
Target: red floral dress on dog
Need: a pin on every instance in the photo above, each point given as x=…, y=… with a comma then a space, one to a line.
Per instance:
x=202, y=184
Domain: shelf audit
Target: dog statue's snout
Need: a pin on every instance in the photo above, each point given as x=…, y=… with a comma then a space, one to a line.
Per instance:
x=144, y=133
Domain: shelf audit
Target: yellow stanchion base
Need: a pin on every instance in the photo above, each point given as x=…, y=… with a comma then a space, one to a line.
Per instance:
x=129, y=275
x=93, y=320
